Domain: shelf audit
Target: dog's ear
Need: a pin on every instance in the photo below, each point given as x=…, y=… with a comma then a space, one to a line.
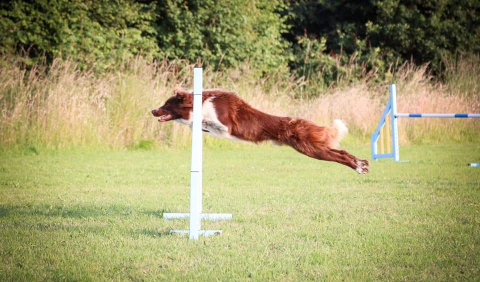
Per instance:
x=176, y=90
x=180, y=96
x=176, y=93
x=181, y=93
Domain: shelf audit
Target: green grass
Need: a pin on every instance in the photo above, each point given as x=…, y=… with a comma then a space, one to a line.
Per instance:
x=81, y=215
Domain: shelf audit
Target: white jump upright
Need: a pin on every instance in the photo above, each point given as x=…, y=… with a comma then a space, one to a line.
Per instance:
x=391, y=111
x=196, y=214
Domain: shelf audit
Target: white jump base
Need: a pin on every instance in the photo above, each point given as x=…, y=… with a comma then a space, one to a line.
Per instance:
x=204, y=233
x=203, y=216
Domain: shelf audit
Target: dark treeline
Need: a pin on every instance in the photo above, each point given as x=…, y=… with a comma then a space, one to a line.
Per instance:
x=318, y=39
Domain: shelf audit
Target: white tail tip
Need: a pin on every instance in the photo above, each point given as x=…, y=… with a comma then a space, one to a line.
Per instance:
x=341, y=128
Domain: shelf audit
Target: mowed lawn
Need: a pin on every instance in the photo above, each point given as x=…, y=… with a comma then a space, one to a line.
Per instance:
x=93, y=215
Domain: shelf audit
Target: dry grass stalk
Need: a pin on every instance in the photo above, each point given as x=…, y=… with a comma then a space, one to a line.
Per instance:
x=61, y=106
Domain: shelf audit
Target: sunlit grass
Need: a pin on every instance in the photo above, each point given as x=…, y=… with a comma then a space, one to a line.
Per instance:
x=97, y=215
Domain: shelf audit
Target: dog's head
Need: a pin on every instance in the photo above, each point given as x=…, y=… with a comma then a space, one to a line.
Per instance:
x=178, y=106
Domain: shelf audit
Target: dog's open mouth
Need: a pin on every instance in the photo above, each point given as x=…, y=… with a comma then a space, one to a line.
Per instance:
x=164, y=118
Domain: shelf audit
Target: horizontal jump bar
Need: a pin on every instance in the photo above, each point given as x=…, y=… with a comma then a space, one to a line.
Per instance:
x=206, y=216
x=380, y=156
x=438, y=115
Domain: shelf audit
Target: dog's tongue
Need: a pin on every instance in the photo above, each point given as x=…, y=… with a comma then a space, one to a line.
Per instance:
x=165, y=118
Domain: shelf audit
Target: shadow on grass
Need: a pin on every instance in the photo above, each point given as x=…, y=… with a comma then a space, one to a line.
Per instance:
x=78, y=229
x=152, y=233
x=4, y=212
x=156, y=213
x=25, y=217
x=85, y=211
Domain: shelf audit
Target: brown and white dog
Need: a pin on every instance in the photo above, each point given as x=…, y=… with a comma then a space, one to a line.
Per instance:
x=226, y=115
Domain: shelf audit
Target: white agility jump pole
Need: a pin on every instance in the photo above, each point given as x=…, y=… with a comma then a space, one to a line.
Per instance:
x=388, y=122
x=196, y=214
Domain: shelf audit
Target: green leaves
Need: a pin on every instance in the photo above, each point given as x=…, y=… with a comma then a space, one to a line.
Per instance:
x=422, y=30
x=94, y=33
x=222, y=34
x=227, y=34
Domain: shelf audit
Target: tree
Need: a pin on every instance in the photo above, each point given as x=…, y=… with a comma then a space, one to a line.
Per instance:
x=422, y=30
x=222, y=33
x=92, y=32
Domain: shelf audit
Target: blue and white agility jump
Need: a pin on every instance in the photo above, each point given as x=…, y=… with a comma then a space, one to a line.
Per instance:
x=196, y=214
x=389, y=127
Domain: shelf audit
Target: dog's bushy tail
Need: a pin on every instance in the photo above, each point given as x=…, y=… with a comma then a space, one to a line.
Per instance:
x=339, y=131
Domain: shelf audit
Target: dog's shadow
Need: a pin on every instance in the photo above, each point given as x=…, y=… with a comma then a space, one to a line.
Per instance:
x=152, y=233
x=82, y=212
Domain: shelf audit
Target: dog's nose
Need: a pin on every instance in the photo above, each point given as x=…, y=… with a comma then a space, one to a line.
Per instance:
x=153, y=112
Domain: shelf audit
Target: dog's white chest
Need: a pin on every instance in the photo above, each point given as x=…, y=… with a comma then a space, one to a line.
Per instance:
x=210, y=122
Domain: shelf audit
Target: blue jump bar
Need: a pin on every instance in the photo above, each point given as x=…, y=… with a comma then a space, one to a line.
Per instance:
x=437, y=115
x=380, y=156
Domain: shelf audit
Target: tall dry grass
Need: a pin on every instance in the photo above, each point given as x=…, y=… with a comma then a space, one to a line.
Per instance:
x=60, y=106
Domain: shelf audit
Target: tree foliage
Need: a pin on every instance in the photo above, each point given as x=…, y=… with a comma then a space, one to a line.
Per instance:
x=222, y=33
x=321, y=39
x=422, y=30
x=219, y=33
x=100, y=32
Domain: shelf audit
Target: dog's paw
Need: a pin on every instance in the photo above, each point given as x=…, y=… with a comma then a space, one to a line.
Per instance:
x=362, y=166
x=363, y=163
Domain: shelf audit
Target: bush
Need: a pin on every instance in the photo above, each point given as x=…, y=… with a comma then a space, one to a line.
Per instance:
x=422, y=31
x=104, y=33
x=321, y=71
x=223, y=33
x=92, y=32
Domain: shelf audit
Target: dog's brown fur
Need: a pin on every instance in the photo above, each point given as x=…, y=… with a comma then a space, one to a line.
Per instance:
x=249, y=124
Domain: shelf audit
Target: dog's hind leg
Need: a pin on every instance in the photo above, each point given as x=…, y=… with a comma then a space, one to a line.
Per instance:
x=360, y=166
x=333, y=155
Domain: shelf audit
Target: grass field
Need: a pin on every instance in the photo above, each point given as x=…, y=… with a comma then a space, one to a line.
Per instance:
x=84, y=215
